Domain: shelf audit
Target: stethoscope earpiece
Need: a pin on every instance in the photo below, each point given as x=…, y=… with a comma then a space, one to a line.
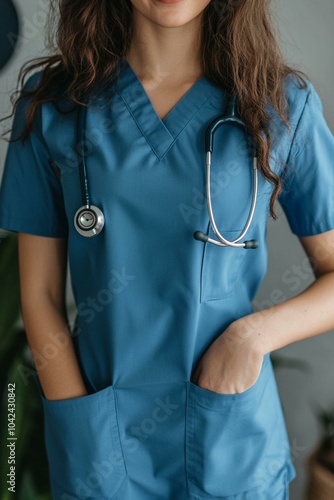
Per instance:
x=252, y=244
x=248, y=244
x=200, y=236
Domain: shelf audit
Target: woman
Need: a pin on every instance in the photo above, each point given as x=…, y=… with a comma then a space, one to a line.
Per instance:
x=164, y=387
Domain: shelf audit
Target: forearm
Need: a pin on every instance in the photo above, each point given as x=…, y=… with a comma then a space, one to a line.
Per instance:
x=52, y=350
x=307, y=314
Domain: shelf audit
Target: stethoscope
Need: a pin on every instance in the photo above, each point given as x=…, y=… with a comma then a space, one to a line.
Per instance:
x=89, y=219
x=231, y=115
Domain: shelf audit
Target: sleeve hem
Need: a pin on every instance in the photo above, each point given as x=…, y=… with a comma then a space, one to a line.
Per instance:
x=313, y=229
x=22, y=228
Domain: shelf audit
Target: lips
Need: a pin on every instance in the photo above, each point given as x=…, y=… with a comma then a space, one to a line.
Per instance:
x=169, y=1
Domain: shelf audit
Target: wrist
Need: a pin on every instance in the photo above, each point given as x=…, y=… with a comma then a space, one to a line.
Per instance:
x=250, y=333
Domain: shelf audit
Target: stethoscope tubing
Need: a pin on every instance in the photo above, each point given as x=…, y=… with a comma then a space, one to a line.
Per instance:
x=230, y=116
x=221, y=240
x=81, y=126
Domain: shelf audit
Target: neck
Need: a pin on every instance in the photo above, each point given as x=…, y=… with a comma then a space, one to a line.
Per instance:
x=165, y=54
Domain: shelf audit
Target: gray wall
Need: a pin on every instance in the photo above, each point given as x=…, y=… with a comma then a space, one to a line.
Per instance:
x=307, y=39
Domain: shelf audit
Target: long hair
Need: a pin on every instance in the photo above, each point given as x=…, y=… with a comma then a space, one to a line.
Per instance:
x=240, y=54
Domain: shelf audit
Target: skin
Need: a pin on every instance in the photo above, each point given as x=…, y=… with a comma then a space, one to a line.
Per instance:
x=165, y=55
x=165, y=50
x=232, y=363
x=42, y=264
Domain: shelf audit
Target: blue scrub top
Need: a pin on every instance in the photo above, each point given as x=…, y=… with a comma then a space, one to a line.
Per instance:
x=151, y=299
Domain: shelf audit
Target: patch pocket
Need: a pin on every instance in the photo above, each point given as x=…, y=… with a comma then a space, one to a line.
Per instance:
x=220, y=267
x=83, y=444
x=229, y=443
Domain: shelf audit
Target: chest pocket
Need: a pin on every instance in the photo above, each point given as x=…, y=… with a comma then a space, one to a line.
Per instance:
x=221, y=267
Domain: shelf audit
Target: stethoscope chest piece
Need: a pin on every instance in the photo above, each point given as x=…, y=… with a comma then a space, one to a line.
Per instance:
x=89, y=220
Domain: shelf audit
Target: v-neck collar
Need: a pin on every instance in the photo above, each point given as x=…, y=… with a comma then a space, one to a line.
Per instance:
x=160, y=133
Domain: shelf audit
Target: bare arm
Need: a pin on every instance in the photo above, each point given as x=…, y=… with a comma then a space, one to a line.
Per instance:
x=233, y=361
x=306, y=315
x=42, y=264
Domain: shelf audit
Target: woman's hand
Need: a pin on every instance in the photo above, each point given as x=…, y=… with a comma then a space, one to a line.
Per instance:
x=229, y=366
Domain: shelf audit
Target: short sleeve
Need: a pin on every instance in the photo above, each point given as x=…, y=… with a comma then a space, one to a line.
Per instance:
x=31, y=197
x=308, y=180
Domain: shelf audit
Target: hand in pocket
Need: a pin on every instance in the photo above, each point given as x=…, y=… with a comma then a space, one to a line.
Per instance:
x=230, y=365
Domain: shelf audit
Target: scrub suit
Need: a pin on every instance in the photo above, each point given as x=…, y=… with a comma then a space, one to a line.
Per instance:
x=151, y=299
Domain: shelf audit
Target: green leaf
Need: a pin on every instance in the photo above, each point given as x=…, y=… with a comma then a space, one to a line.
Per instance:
x=10, y=287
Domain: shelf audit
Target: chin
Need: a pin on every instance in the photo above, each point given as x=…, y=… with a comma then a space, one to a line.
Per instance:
x=170, y=15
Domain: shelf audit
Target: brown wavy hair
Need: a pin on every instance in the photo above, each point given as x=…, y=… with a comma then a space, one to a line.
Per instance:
x=240, y=54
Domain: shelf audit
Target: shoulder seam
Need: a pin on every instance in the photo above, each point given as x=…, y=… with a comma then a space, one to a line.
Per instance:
x=297, y=126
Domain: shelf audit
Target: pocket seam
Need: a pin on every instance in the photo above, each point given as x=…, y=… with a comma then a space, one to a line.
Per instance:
x=78, y=402
x=209, y=399
x=118, y=434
